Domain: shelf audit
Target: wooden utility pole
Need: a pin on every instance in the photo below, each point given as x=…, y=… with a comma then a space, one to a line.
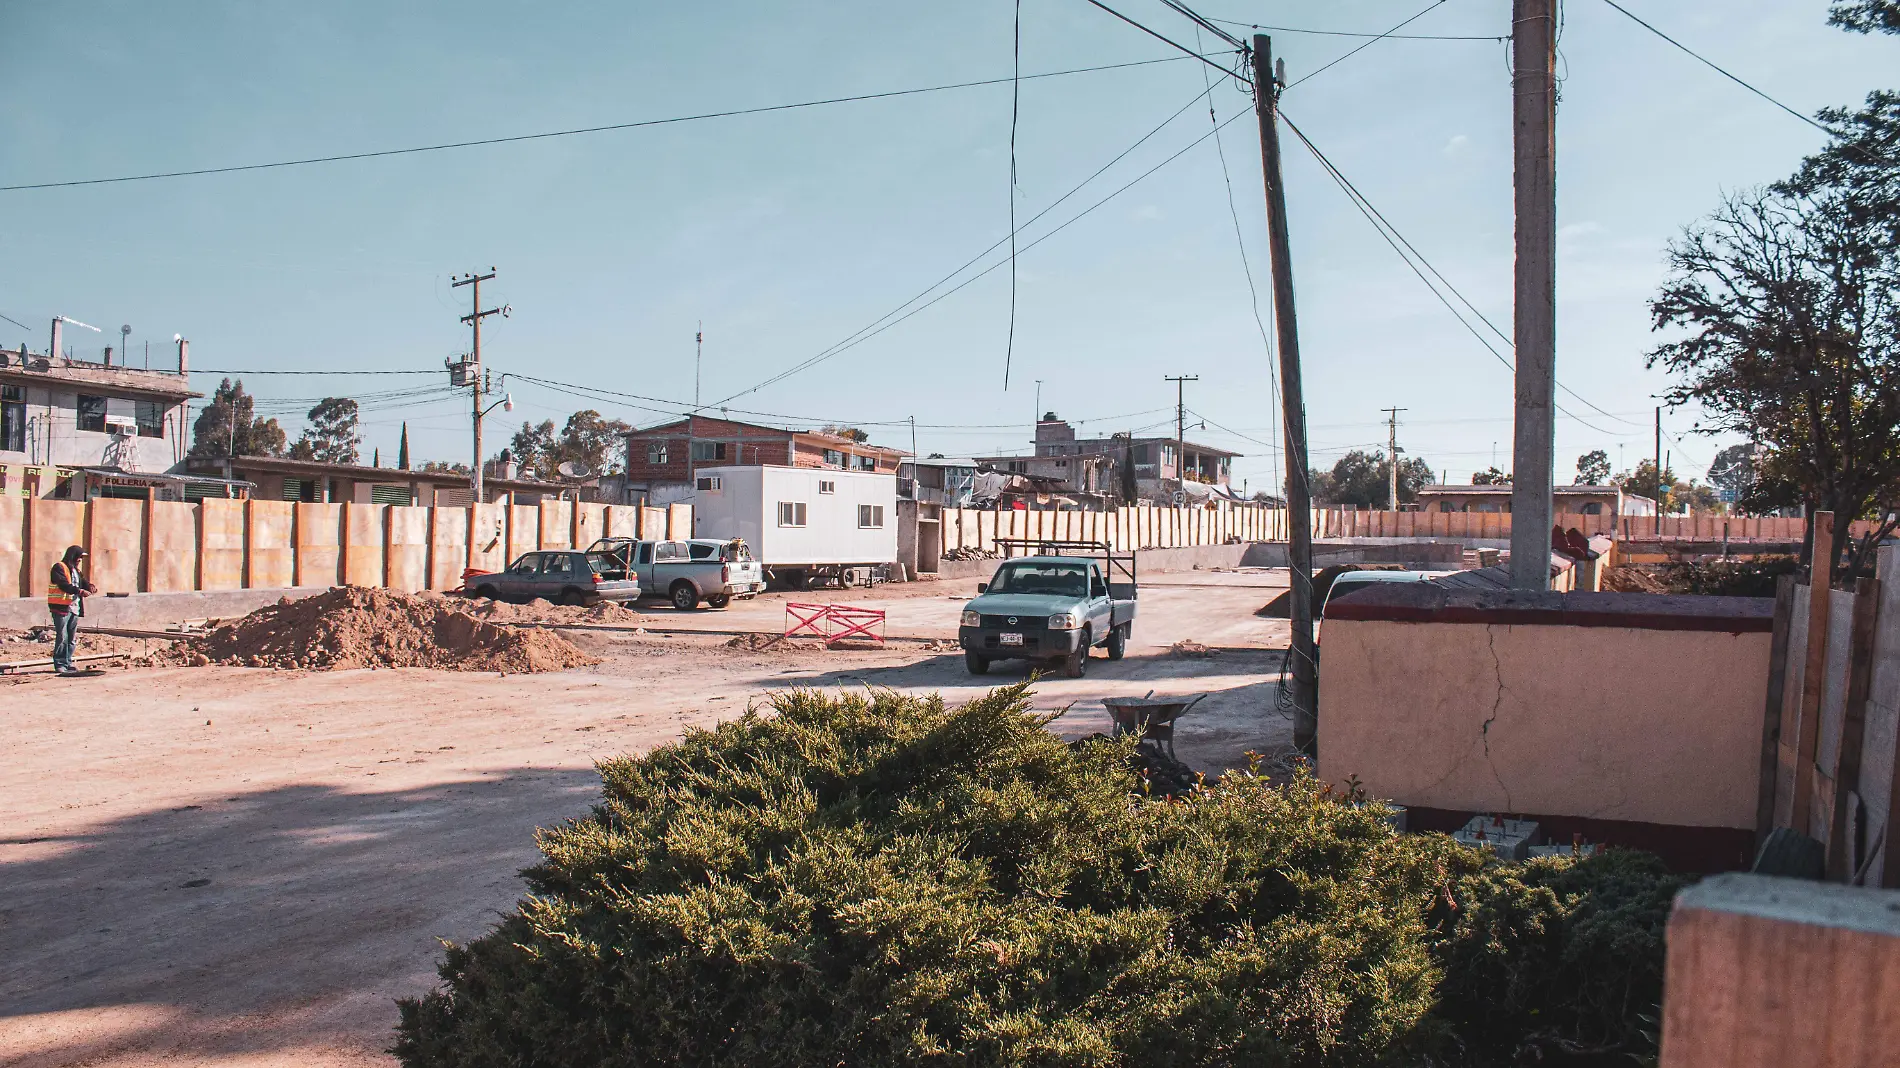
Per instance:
x=1392, y=456
x=1534, y=138
x=474, y=321
x=1659, y=471
x=1180, y=427
x=1299, y=503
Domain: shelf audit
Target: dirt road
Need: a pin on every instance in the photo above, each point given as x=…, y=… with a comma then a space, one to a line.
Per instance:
x=245, y=867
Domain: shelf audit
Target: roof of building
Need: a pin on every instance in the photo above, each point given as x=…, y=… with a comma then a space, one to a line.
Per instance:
x=939, y=461
x=362, y=473
x=34, y=369
x=818, y=434
x=1443, y=489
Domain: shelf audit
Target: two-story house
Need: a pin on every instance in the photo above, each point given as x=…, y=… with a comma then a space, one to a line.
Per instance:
x=661, y=459
x=1143, y=468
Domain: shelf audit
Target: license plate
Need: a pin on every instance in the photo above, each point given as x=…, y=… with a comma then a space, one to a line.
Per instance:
x=1009, y=639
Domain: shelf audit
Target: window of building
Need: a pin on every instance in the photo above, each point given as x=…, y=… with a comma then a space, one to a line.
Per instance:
x=864, y=463
x=870, y=515
x=708, y=484
x=656, y=452
x=293, y=489
x=708, y=450
x=151, y=418
x=827, y=486
x=13, y=418
x=791, y=513
x=92, y=413
x=834, y=457
x=391, y=495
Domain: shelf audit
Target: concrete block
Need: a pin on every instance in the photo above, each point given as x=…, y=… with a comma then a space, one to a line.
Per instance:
x=363, y=543
x=1766, y=972
x=171, y=557
x=623, y=521
x=488, y=537
x=13, y=578
x=524, y=530
x=406, y=548
x=319, y=556
x=448, y=547
x=220, y=544
x=52, y=527
x=116, y=540
x=271, y=549
x=590, y=524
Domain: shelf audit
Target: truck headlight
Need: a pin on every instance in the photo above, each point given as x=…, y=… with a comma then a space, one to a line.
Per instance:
x=972, y=619
x=1064, y=621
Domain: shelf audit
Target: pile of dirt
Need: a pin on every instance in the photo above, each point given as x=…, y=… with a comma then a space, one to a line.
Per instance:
x=541, y=610
x=1630, y=579
x=1190, y=649
x=357, y=627
x=754, y=642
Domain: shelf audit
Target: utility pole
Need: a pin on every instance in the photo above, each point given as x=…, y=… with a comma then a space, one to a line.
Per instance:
x=1392, y=456
x=1180, y=419
x=1035, y=425
x=692, y=417
x=1299, y=503
x=1534, y=139
x=1659, y=463
x=474, y=320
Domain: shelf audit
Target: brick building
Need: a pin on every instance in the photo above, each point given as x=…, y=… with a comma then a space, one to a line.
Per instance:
x=658, y=464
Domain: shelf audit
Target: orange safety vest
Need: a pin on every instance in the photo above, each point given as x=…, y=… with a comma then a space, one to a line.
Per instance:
x=56, y=597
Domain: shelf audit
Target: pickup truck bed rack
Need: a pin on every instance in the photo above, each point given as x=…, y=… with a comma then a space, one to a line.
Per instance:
x=1118, y=567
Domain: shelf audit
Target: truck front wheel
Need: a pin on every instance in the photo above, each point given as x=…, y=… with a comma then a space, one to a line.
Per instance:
x=977, y=663
x=1118, y=642
x=1076, y=664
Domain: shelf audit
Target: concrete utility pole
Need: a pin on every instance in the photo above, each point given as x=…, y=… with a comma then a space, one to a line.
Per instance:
x=1534, y=138
x=1180, y=427
x=692, y=417
x=474, y=321
x=1659, y=470
x=1392, y=456
x=1299, y=502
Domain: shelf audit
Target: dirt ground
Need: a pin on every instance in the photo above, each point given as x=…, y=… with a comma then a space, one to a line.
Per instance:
x=245, y=867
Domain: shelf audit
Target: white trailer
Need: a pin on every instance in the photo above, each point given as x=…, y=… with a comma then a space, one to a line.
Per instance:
x=803, y=523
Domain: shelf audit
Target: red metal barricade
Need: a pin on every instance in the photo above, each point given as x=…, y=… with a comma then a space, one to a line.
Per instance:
x=835, y=622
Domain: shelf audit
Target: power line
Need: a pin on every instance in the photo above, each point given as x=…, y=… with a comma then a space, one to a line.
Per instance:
x=899, y=313
x=1361, y=48
x=258, y=371
x=1170, y=43
x=1379, y=224
x=1347, y=33
x=15, y=322
x=734, y=113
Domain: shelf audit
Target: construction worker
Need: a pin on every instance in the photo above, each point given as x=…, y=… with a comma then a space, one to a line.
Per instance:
x=65, y=594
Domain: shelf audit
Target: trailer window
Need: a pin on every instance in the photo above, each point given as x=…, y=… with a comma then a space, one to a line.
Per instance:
x=870, y=515
x=827, y=486
x=791, y=513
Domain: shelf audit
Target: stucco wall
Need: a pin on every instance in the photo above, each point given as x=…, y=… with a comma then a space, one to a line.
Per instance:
x=488, y=549
x=448, y=547
x=13, y=578
x=116, y=543
x=363, y=544
x=171, y=562
x=406, y=548
x=271, y=543
x=319, y=544
x=1628, y=723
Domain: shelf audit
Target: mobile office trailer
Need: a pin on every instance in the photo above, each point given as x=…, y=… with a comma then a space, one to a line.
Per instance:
x=803, y=523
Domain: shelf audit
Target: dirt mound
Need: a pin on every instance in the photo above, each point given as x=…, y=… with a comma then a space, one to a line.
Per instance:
x=754, y=642
x=1629, y=579
x=357, y=627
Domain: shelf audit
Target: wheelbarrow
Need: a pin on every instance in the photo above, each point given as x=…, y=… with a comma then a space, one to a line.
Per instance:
x=1152, y=716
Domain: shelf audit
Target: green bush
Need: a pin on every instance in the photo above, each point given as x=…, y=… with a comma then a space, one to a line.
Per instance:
x=1729, y=578
x=884, y=881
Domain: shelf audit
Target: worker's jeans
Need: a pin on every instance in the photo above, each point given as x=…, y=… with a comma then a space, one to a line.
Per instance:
x=65, y=635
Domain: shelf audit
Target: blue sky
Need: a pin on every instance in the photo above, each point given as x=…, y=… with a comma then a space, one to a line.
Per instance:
x=786, y=233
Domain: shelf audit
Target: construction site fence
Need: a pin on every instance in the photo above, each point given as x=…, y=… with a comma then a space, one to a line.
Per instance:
x=971, y=529
x=140, y=546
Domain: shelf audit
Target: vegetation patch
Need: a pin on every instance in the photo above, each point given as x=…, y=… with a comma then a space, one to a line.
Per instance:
x=883, y=880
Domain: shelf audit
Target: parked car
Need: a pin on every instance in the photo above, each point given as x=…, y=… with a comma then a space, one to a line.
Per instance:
x=1052, y=608
x=1359, y=580
x=560, y=575
x=688, y=571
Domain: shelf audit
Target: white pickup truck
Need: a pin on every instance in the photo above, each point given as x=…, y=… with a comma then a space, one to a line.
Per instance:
x=688, y=571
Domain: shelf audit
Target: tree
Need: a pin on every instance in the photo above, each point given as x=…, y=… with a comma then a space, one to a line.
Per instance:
x=1866, y=16
x=849, y=433
x=1791, y=304
x=332, y=436
x=228, y=426
x=1593, y=468
x=1363, y=478
x=598, y=443
x=1642, y=483
x=444, y=467
x=1734, y=470
x=402, y=457
x=535, y=448
x=1491, y=477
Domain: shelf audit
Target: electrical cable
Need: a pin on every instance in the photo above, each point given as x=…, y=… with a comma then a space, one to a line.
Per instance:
x=15, y=322
x=733, y=113
x=1347, y=33
x=1172, y=44
x=257, y=371
x=900, y=313
x=1432, y=5
x=1365, y=208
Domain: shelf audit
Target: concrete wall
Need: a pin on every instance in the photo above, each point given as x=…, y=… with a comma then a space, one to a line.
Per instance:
x=488, y=537
x=117, y=527
x=221, y=545
x=171, y=547
x=557, y=524
x=448, y=547
x=13, y=576
x=270, y=544
x=319, y=559
x=1767, y=973
x=363, y=544
x=406, y=548
x=524, y=530
x=1623, y=709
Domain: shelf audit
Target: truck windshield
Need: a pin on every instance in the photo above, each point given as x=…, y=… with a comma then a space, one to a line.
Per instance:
x=1068, y=579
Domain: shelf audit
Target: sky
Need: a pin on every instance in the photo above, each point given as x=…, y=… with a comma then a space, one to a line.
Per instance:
x=780, y=235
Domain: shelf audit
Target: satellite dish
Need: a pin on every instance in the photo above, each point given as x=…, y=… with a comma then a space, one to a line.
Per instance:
x=573, y=469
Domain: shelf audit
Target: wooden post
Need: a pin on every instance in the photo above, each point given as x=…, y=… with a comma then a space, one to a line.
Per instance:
x=1843, y=854
x=1771, y=712
x=1813, y=683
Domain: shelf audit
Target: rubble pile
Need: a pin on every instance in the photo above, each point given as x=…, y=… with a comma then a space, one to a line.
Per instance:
x=1630, y=579
x=968, y=553
x=358, y=627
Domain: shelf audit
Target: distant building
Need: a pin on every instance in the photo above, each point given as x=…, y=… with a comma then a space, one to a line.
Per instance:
x=1573, y=500
x=658, y=463
x=276, y=478
x=59, y=416
x=1146, y=468
x=937, y=481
